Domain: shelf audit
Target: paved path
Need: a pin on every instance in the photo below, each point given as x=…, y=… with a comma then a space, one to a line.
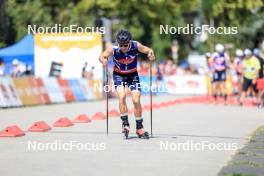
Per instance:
x=113, y=156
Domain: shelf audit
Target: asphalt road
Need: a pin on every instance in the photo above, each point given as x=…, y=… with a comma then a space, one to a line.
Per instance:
x=184, y=141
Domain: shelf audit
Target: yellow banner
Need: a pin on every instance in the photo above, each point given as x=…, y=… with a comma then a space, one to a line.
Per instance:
x=66, y=41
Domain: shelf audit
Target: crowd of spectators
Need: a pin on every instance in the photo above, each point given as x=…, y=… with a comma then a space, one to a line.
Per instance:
x=15, y=69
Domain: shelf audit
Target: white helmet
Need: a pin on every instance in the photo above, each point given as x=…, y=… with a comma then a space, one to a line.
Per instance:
x=256, y=52
x=15, y=62
x=239, y=53
x=208, y=54
x=215, y=55
x=219, y=48
x=247, y=52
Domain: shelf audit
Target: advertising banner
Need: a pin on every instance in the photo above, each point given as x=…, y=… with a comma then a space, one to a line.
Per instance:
x=68, y=55
x=54, y=90
x=189, y=84
x=26, y=92
x=8, y=93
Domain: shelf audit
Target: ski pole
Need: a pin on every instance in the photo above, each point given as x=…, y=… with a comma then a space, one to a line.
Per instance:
x=106, y=94
x=150, y=85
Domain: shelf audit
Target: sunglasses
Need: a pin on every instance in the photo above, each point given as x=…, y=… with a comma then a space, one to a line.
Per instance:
x=124, y=45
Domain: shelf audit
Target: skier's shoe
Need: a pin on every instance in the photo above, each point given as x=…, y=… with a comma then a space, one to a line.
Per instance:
x=142, y=134
x=125, y=126
x=125, y=130
x=140, y=131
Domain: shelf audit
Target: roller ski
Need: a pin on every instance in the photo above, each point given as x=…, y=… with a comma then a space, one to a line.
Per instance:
x=125, y=130
x=140, y=131
x=142, y=134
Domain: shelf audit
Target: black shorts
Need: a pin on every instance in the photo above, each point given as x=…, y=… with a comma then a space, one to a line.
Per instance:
x=247, y=83
x=131, y=80
x=219, y=76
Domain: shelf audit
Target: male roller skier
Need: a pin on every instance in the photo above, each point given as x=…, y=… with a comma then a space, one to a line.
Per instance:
x=220, y=65
x=124, y=53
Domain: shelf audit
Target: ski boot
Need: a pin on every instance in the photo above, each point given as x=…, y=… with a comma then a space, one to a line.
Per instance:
x=140, y=131
x=125, y=126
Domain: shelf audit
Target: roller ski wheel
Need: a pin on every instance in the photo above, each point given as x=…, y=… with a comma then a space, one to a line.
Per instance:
x=125, y=130
x=142, y=134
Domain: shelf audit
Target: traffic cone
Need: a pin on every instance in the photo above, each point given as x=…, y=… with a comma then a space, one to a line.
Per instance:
x=63, y=122
x=170, y=103
x=155, y=106
x=12, y=131
x=146, y=107
x=39, y=126
x=163, y=104
x=113, y=113
x=82, y=118
x=178, y=101
x=98, y=116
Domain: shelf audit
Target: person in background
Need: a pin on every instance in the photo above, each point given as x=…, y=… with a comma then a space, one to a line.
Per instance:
x=237, y=65
x=257, y=54
x=84, y=70
x=209, y=73
x=90, y=73
x=16, y=70
x=2, y=67
x=220, y=64
x=28, y=70
x=250, y=72
x=87, y=73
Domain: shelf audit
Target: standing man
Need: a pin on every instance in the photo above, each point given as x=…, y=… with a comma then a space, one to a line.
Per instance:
x=250, y=71
x=2, y=67
x=220, y=62
x=237, y=65
x=124, y=53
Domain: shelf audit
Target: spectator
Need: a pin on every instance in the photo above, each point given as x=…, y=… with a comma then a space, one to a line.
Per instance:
x=28, y=70
x=16, y=70
x=87, y=73
x=250, y=70
x=84, y=70
x=256, y=53
x=2, y=67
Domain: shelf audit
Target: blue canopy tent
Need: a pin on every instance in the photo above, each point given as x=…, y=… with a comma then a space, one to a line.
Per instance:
x=23, y=51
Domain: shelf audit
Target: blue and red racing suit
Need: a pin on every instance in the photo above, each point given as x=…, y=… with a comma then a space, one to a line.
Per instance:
x=219, y=67
x=125, y=67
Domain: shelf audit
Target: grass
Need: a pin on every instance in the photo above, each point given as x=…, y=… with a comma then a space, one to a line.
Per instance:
x=239, y=174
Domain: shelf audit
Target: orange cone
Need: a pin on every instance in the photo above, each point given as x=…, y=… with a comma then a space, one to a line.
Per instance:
x=12, y=131
x=63, y=122
x=40, y=126
x=99, y=116
x=82, y=118
x=177, y=101
x=155, y=106
x=170, y=103
x=113, y=113
x=146, y=107
x=163, y=104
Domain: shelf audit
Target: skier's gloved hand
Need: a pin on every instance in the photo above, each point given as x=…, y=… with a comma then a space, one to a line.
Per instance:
x=151, y=55
x=103, y=61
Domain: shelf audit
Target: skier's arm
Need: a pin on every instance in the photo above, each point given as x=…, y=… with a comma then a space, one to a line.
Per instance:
x=105, y=55
x=146, y=50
